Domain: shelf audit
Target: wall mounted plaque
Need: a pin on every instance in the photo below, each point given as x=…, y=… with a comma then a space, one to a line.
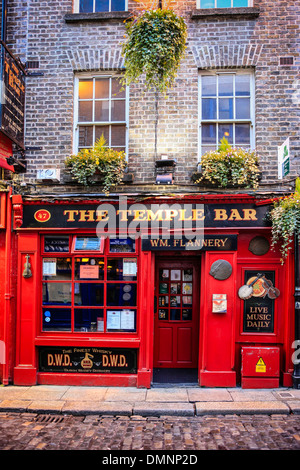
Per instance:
x=221, y=270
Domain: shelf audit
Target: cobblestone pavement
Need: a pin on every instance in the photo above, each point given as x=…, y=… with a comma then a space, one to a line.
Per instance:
x=29, y=431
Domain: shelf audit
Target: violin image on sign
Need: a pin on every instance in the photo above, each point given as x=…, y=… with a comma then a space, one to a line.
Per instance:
x=271, y=291
x=258, y=286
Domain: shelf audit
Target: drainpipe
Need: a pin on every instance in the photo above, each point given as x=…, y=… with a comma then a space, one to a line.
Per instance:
x=7, y=293
x=296, y=372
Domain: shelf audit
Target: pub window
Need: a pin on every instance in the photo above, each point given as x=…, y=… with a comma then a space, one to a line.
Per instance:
x=94, y=6
x=91, y=290
x=100, y=109
x=226, y=108
x=225, y=3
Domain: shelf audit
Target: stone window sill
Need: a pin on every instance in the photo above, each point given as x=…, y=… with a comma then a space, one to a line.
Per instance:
x=96, y=17
x=206, y=13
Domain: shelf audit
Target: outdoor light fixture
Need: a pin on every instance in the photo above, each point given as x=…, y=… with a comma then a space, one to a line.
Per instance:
x=164, y=170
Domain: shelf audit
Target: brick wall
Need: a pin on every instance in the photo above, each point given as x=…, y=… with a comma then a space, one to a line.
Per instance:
x=38, y=31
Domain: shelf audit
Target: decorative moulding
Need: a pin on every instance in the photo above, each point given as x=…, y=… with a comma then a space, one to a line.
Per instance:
x=205, y=13
x=96, y=17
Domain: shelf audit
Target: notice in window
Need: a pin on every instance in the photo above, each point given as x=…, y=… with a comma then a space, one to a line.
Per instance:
x=129, y=267
x=89, y=272
x=113, y=319
x=127, y=319
x=49, y=267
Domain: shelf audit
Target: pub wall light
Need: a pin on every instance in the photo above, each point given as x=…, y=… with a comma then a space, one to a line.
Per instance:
x=164, y=170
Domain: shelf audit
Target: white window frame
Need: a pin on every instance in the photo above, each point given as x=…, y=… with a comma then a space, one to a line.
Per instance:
x=77, y=124
x=250, y=121
x=250, y=4
x=76, y=6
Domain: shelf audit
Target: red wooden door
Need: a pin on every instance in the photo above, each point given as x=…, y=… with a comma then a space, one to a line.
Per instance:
x=176, y=330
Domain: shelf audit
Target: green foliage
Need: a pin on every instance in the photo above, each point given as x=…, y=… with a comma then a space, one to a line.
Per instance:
x=155, y=46
x=229, y=166
x=285, y=218
x=100, y=159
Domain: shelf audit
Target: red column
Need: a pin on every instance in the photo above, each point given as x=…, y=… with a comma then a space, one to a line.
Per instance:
x=25, y=369
x=146, y=315
x=217, y=329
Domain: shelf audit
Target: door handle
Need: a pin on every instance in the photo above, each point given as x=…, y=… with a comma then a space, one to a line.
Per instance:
x=155, y=304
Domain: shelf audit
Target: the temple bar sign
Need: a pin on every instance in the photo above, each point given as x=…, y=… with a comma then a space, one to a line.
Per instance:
x=145, y=216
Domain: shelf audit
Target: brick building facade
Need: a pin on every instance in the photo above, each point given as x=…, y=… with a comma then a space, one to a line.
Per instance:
x=63, y=43
x=79, y=303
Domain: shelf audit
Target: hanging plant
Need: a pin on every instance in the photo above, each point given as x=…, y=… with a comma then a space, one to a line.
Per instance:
x=100, y=159
x=285, y=218
x=230, y=167
x=155, y=47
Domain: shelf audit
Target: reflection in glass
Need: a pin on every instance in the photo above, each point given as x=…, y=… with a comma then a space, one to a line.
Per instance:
x=209, y=108
x=85, y=89
x=225, y=108
x=101, y=88
x=121, y=294
x=102, y=5
x=208, y=133
x=85, y=112
x=187, y=314
x=56, y=319
x=88, y=320
x=207, y=4
x=226, y=85
x=242, y=134
x=117, y=89
x=227, y=131
x=118, y=136
x=102, y=111
x=223, y=3
x=85, y=136
x=117, y=5
x=174, y=314
x=118, y=110
x=209, y=84
x=242, y=85
x=88, y=294
x=242, y=108
x=56, y=293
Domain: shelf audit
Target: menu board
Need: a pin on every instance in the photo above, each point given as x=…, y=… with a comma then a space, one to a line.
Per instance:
x=120, y=320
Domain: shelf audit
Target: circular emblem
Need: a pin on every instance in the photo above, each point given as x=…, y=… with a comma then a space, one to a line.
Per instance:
x=258, y=287
x=42, y=215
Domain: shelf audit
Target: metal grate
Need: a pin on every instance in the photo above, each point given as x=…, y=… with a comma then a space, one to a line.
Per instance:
x=32, y=64
x=286, y=60
x=49, y=419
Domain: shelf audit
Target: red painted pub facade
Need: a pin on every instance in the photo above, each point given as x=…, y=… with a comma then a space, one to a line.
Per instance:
x=113, y=293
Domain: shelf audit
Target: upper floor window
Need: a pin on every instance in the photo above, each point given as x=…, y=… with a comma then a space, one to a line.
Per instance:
x=226, y=109
x=225, y=3
x=95, y=6
x=100, y=108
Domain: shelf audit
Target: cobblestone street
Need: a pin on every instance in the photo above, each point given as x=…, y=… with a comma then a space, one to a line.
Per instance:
x=29, y=431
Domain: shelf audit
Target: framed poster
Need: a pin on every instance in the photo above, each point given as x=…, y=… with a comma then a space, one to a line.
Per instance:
x=258, y=315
